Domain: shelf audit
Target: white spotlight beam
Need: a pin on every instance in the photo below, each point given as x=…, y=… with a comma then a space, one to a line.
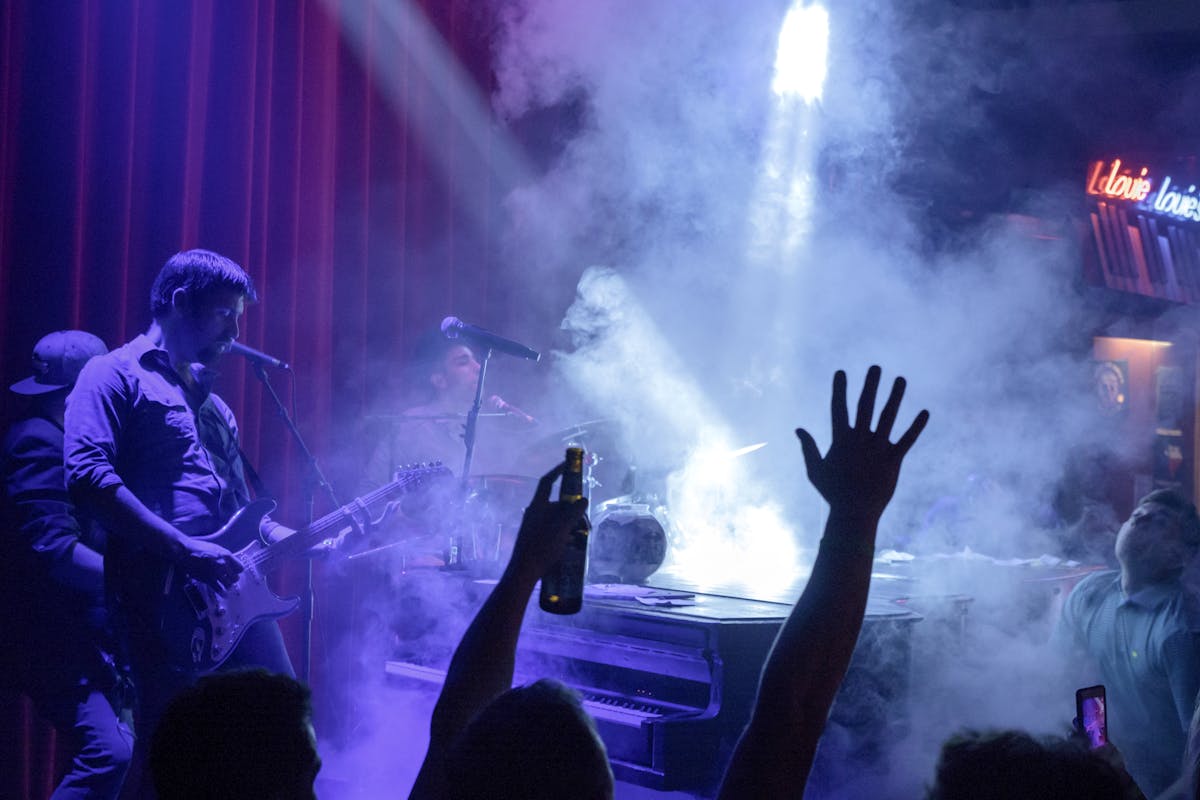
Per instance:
x=803, y=53
x=388, y=34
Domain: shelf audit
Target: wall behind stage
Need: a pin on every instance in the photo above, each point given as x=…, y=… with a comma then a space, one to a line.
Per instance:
x=132, y=130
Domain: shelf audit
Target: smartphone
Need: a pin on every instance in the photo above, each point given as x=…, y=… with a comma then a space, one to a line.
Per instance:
x=1089, y=710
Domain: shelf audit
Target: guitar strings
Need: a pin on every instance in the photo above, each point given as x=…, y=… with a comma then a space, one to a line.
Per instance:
x=338, y=518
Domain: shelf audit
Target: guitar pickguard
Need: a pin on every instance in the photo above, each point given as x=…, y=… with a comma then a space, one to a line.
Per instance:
x=218, y=620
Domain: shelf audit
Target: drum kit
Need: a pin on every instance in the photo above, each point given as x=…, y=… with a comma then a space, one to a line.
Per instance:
x=472, y=529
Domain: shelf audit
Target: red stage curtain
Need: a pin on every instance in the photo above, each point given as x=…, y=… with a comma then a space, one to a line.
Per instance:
x=134, y=129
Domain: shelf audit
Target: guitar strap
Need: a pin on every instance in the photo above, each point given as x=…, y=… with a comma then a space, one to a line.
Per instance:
x=260, y=489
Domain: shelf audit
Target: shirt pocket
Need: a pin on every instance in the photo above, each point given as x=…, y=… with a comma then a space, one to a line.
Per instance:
x=163, y=437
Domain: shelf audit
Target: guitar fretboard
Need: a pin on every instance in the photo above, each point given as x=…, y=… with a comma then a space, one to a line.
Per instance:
x=302, y=540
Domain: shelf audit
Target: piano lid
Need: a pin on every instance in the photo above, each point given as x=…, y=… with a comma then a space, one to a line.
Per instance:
x=886, y=598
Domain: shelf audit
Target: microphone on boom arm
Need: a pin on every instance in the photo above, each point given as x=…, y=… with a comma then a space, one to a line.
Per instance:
x=500, y=404
x=455, y=328
x=258, y=357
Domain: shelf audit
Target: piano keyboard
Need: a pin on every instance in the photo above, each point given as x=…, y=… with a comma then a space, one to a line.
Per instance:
x=605, y=706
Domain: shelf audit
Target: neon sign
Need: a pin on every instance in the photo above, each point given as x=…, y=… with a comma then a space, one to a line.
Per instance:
x=1118, y=184
x=1175, y=203
x=1114, y=182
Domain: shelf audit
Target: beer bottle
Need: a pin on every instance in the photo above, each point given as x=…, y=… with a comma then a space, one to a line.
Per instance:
x=562, y=585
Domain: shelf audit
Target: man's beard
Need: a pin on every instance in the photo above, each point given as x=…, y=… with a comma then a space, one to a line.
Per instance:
x=210, y=354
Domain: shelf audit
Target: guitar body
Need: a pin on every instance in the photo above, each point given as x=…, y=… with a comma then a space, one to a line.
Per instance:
x=201, y=626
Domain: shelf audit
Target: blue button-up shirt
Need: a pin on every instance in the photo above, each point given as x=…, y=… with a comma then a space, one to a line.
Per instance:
x=1147, y=648
x=131, y=421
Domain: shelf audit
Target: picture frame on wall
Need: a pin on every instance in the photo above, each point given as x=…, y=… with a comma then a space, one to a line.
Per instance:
x=1110, y=385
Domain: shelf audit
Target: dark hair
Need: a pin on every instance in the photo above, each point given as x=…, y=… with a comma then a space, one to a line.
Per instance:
x=1010, y=764
x=428, y=358
x=234, y=735
x=198, y=273
x=430, y=351
x=538, y=744
x=1185, y=513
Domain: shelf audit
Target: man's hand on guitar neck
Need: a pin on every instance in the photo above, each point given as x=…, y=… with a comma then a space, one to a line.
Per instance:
x=322, y=549
x=278, y=533
x=209, y=563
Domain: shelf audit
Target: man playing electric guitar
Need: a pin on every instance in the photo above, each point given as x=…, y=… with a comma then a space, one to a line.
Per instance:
x=202, y=625
x=152, y=453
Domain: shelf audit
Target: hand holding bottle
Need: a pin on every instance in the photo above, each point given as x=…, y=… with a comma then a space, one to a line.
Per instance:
x=546, y=529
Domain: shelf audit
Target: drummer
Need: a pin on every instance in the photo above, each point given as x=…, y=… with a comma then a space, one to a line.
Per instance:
x=442, y=380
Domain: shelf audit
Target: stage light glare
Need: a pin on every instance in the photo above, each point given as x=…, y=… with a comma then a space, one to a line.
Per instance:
x=729, y=529
x=800, y=61
x=731, y=535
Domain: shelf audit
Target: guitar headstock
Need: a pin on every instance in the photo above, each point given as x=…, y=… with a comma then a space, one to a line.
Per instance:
x=412, y=474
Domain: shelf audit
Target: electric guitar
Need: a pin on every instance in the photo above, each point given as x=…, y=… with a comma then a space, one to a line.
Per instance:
x=200, y=626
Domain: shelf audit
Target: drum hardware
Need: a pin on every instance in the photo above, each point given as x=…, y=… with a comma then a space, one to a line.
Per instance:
x=580, y=433
x=591, y=460
x=483, y=524
x=629, y=541
x=400, y=419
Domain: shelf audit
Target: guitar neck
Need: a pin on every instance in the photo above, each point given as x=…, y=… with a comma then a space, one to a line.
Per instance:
x=332, y=523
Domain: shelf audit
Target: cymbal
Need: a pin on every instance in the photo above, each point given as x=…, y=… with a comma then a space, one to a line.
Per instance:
x=396, y=419
x=501, y=479
x=579, y=432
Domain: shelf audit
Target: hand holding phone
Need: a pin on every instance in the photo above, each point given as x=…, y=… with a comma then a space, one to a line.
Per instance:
x=1090, y=704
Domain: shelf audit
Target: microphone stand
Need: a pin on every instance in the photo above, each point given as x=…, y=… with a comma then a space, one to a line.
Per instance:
x=455, y=556
x=473, y=418
x=314, y=478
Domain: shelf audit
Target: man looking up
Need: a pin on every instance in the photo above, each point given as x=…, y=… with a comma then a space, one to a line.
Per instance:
x=1139, y=628
x=153, y=454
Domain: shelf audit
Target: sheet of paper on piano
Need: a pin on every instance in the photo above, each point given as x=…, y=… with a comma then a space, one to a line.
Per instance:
x=647, y=596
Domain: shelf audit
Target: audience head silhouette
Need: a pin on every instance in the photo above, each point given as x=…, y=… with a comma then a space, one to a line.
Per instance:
x=235, y=735
x=533, y=742
x=1012, y=765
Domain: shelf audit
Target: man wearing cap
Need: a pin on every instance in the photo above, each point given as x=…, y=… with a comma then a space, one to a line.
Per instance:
x=54, y=640
x=153, y=453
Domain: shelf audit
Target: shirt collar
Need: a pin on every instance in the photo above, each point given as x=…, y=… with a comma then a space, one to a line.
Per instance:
x=1152, y=596
x=155, y=358
x=147, y=352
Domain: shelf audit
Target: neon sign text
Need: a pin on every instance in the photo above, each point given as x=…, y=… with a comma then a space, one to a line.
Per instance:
x=1117, y=184
x=1173, y=202
x=1110, y=180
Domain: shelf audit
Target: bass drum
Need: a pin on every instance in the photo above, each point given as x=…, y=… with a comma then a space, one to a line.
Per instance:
x=629, y=541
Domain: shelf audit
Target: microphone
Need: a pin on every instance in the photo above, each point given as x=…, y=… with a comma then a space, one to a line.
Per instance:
x=500, y=404
x=257, y=356
x=453, y=328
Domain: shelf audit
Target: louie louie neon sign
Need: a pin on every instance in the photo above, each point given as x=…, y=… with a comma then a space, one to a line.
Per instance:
x=1117, y=182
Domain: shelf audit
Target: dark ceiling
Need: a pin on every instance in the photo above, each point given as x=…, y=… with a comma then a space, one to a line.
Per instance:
x=1016, y=98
